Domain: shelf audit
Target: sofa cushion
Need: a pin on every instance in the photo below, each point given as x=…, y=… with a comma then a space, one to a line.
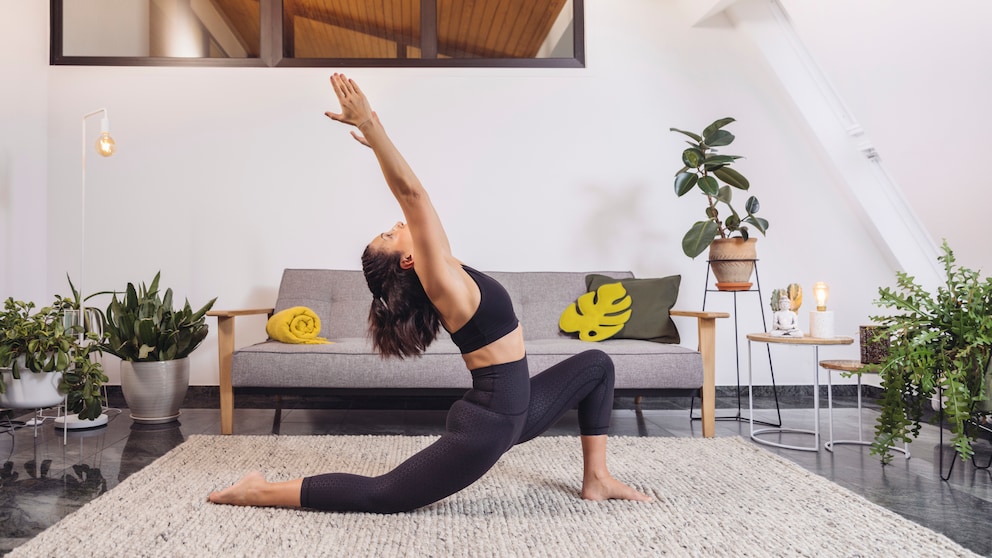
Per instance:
x=351, y=363
x=637, y=363
x=599, y=314
x=651, y=299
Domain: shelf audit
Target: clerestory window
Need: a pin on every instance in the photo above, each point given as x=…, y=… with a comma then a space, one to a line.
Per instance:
x=298, y=33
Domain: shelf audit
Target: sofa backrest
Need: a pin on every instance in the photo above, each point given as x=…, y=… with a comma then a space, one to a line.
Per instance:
x=539, y=297
x=341, y=298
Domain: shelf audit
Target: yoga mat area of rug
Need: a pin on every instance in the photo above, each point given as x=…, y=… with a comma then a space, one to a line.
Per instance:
x=712, y=497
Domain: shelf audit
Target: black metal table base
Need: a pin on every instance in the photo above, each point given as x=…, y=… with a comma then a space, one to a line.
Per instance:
x=738, y=417
x=954, y=456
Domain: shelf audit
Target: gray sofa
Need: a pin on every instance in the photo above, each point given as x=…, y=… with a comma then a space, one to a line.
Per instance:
x=349, y=366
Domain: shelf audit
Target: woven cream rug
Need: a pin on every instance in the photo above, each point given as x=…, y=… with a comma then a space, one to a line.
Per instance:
x=712, y=497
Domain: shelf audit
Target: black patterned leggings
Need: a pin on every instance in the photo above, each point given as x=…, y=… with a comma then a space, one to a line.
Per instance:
x=504, y=407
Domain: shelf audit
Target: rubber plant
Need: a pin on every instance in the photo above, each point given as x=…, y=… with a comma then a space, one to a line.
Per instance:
x=939, y=345
x=710, y=171
x=46, y=345
x=144, y=326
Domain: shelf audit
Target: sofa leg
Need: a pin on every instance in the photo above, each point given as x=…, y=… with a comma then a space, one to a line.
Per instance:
x=227, y=416
x=225, y=351
x=707, y=403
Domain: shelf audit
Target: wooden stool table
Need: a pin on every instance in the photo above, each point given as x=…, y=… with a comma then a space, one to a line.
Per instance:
x=857, y=367
x=815, y=343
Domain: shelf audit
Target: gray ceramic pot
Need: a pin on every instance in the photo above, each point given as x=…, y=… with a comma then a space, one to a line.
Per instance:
x=154, y=391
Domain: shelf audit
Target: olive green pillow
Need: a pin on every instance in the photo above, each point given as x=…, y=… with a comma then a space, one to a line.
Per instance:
x=651, y=301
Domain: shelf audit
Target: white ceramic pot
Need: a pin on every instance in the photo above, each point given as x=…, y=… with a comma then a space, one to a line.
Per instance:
x=154, y=391
x=34, y=390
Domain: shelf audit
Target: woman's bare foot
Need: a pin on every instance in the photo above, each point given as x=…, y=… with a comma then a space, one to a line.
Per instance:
x=246, y=492
x=254, y=490
x=609, y=488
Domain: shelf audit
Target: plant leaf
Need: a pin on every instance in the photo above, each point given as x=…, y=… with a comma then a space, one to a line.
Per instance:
x=716, y=125
x=685, y=181
x=696, y=137
x=709, y=186
x=714, y=162
x=758, y=222
x=732, y=177
x=725, y=195
x=693, y=157
x=718, y=138
x=699, y=238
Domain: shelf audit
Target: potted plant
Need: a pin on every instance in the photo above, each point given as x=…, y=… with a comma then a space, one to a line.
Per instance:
x=72, y=307
x=153, y=341
x=48, y=361
x=732, y=251
x=938, y=344
x=90, y=325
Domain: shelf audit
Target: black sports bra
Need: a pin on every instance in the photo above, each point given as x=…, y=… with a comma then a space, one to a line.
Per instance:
x=492, y=320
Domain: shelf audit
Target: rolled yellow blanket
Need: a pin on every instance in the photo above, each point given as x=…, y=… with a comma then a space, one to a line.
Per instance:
x=298, y=324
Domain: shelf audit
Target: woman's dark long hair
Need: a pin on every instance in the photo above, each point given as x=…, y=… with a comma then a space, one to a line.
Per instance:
x=402, y=320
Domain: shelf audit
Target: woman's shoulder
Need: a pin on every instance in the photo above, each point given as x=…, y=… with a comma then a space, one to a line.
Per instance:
x=456, y=297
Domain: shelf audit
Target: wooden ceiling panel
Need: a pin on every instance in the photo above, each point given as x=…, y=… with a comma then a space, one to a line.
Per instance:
x=495, y=28
x=314, y=39
x=370, y=26
x=391, y=28
x=245, y=20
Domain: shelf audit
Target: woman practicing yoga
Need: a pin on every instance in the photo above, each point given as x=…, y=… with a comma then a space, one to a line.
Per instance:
x=418, y=286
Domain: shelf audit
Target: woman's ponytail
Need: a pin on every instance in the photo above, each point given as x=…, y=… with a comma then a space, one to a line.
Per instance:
x=402, y=320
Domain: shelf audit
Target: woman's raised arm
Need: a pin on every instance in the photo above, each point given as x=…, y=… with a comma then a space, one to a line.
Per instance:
x=432, y=251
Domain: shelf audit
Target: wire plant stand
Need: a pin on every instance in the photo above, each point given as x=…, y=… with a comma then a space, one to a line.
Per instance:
x=738, y=416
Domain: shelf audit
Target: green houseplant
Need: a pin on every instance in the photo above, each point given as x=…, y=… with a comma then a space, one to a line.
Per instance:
x=938, y=344
x=724, y=231
x=40, y=343
x=704, y=168
x=153, y=340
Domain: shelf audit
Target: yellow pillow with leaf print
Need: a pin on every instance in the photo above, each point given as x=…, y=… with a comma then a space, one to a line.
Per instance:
x=597, y=315
x=652, y=299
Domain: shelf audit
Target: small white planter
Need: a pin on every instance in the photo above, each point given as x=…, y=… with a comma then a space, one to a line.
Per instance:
x=154, y=391
x=34, y=390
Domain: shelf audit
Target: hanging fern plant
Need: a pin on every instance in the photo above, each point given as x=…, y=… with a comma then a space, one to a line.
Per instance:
x=939, y=345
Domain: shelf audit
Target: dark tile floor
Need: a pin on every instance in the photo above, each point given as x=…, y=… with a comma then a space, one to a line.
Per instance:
x=43, y=480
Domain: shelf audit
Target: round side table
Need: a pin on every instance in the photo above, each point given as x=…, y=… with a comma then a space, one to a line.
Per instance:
x=848, y=366
x=815, y=343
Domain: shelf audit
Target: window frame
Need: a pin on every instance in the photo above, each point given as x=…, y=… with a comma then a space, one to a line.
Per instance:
x=272, y=48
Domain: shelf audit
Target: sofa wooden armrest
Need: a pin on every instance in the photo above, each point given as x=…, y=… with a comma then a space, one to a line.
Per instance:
x=225, y=354
x=706, y=325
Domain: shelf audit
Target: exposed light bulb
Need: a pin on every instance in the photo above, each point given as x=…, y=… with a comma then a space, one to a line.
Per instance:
x=105, y=145
x=821, y=291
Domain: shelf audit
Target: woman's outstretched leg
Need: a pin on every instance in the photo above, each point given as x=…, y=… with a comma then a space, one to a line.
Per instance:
x=584, y=381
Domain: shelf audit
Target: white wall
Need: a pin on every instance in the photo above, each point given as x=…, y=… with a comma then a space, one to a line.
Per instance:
x=226, y=176
x=23, y=149
x=918, y=79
